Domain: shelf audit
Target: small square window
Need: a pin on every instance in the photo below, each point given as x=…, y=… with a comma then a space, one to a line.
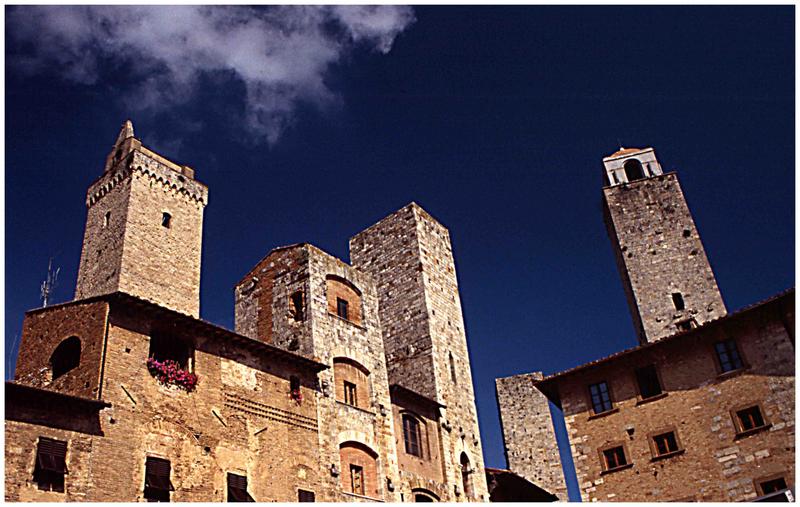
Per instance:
x=51, y=465
x=728, y=356
x=648, y=382
x=773, y=485
x=665, y=444
x=305, y=496
x=601, y=400
x=237, y=489
x=350, y=394
x=749, y=419
x=614, y=458
x=166, y=220
x=341, y=308
x=156, y=480
x=686, y=324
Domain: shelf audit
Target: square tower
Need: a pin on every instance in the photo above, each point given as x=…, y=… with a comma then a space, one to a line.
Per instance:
x=410, y=258
x=667, y=278
x=144, y=229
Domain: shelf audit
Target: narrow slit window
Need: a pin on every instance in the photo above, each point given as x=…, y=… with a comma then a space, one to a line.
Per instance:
x=728, y=356
x=294, y=383
x=647, y=379
x=51, y=464
x=677, y=300
x=350, y=394
x=665, y=443
x=601, y=400
x=237, y=489
x=357, y=479
x=614, y=458
x=749, y=419
x=166, y=220
x=452, y=368
x=106, y=218
x=306, y=496
x=157, y=485
x=341, y=308
x=297, y=306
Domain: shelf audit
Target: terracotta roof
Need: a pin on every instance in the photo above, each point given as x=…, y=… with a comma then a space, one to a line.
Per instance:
x=547, y=385
x=625, y=151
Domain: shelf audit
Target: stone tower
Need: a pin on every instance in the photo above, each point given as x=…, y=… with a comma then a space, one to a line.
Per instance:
x=667, y=278
x=410, y=258
x=143, y=229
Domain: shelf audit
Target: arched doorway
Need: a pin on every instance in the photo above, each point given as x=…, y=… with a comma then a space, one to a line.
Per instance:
x=633, y=170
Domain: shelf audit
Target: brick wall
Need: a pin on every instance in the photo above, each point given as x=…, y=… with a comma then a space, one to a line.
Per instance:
x=426, y=471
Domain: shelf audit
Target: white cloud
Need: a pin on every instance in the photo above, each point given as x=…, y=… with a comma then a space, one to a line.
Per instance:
x=280, y=53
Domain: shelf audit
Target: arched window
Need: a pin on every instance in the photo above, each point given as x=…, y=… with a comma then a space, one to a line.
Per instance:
x=413, y=435
x=66, y=356
x=633, y=170
x=466, y=480
x=359, y=469
x=352, y=382
x=423, y=495
x=344, y=299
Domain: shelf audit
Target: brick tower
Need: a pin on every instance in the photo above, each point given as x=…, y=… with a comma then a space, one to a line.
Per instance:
x=143, y=229
x=667, y=278
x=410, y=258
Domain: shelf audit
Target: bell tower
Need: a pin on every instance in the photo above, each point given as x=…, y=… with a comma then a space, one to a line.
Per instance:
x=144, y=228
x=667, y=278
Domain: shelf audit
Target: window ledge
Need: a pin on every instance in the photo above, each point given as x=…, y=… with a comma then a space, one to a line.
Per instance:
x=668, y=455
x=616, y=469
x=359, y=326
x=642, y=401
x=603, y=414
x=363, y=497
x=752, y=431
x=370, y=412
x=733, y=373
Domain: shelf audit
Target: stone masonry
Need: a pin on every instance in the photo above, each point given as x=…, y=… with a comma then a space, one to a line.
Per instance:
x=410, y=258
x=659, y=253
x=528, y=433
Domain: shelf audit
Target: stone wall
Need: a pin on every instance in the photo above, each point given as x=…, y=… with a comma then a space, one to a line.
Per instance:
x=410, y=256
x=659, y=252
x=717, y=463
x=528, y=433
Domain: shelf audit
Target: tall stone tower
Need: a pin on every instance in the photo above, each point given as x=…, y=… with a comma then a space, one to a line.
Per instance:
x=667, y=278
x=410, y=258
x=144, y=229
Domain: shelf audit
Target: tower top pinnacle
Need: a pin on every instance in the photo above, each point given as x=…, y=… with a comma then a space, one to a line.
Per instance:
x=125, y=132
x=630, y=164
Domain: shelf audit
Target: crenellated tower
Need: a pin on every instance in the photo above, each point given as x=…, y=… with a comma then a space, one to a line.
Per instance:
x=667, y=278
x=144, y=228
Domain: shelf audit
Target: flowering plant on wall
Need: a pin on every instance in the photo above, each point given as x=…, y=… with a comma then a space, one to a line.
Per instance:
x=169, y=372
x=296, y=395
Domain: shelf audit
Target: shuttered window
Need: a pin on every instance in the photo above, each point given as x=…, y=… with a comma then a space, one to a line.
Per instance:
x=305, y=496
x=237, y=489
x=51, y=464
x=156, y=480
x=411, y=435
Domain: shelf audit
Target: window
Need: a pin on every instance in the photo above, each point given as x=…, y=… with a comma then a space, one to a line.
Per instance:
x=166, y=347
x=664, y=444
x=686, y=324
x=677, y=300
x=614, y=458
x=687, y=233
x=106, y=218
x=297, y=306
x=452, y=368
x=66, y=356
x=294, y=383
x=633, y=170
x=237, y=489
x=749, y=419
x=411, y=435
x=728, y=356
x=166, y=220
x=156, y=480
x=306, y=496
x=601, y=401
x=466, y=471
x=357, y=479
x=772, y=485
x=647, y=380
x=350, y=394
x=51, y=464
x=341, y=308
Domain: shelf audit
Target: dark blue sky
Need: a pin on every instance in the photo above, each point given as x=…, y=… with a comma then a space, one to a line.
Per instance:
x=495, y=120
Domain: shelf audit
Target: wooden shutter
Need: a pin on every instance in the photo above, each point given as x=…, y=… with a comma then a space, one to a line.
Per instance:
x=157, y=474
x=51, y=455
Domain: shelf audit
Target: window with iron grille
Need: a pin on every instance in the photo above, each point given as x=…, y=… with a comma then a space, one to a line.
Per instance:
x=51, y=464
x=357, y=479
x=647, y=379
x=341, y=308
x=601, y=400
x=350, y=394
x=749, y=418
x=306, y=496
x=412, y=435
x=157, y=485
x=728, y=355
x=614, y=458
x=665, y=443
x=237, y=489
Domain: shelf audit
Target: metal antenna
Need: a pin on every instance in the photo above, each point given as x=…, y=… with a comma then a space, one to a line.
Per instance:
x=50, y=283
x=619, y=143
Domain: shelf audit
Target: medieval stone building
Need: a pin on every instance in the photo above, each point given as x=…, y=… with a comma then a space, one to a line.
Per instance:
x=703, y=408
x=340, y=382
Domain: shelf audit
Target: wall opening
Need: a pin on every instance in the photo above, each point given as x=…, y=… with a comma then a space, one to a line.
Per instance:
x=633, y=170
x=166, y=220
x=165, y=347
x=297, y=307
x=677, y=300
x=66, y=356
